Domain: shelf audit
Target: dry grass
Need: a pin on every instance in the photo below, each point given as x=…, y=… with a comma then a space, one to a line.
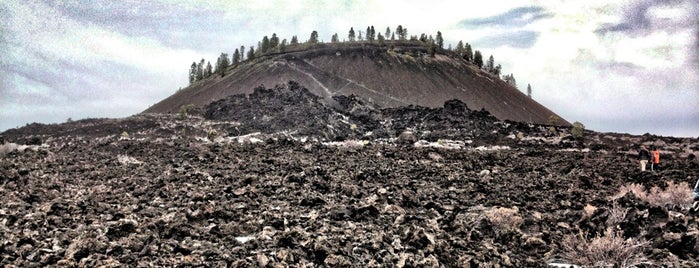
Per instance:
x=609, y=250
x=673, y=194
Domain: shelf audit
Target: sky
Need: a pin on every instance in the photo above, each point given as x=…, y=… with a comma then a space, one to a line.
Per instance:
x=615, y=66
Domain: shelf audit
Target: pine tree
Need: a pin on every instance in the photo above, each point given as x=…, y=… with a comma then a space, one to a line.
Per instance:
x=393, y=37
x=529, y=90
x=510, y=79
x=351, y=36
x=242, y=53
x=432, y=50
x=335, y=38
x=388, y=32
x=236, y=56
x=208, y=71
x=440, y=40
x=200, y=70
x=314, y=38
x=468, y=53
x=222, y=63
x=273, y=42
x=381, y=39
x=251, y=53
x=423, y=38
x=372, y=33
x=282, y=46
x=193, y=73
x=490, y=64
x=478, y=59
x=294, y=40
x=459, y=49
x=399, y=32
x=497, y=70
x=360, y=37
x=264, y=46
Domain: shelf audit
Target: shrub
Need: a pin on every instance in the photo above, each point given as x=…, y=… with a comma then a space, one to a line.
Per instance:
x=504, y=218
x=673, y=194
x=578, y=130
x=212, y=134
x=184, y=111
x=609, y=250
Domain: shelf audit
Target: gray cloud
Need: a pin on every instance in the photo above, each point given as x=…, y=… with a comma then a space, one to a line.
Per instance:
x=636, y=18
x=517, y=39
x=515, y=17
x=170, y=24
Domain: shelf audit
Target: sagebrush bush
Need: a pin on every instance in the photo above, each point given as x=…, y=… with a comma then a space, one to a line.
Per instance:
x=504, y=218
x=673, y=194
x=608, y=250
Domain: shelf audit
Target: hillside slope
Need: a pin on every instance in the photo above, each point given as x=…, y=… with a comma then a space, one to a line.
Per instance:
x=387, y=77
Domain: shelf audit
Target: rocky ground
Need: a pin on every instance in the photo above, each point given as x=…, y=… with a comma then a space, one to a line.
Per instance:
x=282, y=178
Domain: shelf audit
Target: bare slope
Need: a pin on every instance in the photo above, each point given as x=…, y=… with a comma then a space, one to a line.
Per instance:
x=387, y=77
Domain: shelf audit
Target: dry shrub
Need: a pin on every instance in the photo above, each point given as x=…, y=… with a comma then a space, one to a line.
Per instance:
x=504, y=218
x=617, y=214
x=609, y=250
x=673, y=194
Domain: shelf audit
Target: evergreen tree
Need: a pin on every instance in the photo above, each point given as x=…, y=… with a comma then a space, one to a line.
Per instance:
x=236, y=56
x=510, y=79
x=314, y=38
x=242, y=53
x=440, y=40
x=478, y=59
x=399, y=32
x=264, y=46
x=294, y=40
x=334, y=38
x=200, y=70
x=529, y=90
x=222, y=63
x=460, y=48
x=251, y=53
x=393, y=37
x=405, y=33
x=423, y=38
x=490, y=64
x=282, y=46
x=372, y=33
x=368, y=34
x=193, y=73
x=360, y=37
x=208, y=71
x=432, y=50
x=497, y=70
x=351, y=36
x=273, y=42
x=388, y=32
x=381, y=39
x=468, y=53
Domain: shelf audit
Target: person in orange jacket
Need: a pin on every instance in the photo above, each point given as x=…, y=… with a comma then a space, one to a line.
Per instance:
x=654, y=159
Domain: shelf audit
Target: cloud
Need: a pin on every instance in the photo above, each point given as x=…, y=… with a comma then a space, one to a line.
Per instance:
x=516, y=17
x=642, y=16
x=515, y=39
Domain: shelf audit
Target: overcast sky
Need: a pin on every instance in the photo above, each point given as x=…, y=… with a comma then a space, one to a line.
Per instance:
x=616, y=66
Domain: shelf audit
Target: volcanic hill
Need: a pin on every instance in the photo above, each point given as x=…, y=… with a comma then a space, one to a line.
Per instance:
x=399, y=74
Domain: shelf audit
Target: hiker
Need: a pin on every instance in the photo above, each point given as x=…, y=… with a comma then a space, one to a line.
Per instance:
x=655, y=159
x=643, y=157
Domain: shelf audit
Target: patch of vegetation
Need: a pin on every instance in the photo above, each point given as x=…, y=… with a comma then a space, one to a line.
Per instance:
x=608, y=250
x=672, y=194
